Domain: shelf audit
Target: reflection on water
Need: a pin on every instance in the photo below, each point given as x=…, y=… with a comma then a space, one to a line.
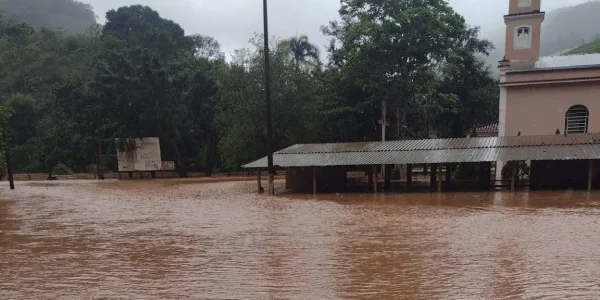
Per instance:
x=176, y=240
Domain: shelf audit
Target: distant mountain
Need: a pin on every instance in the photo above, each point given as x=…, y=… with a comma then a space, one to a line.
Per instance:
x=570, y=27
x=589, y=48
x=565, y=28
x=69, y=15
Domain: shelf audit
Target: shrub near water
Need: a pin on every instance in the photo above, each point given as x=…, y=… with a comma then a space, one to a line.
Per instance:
x=62, y=169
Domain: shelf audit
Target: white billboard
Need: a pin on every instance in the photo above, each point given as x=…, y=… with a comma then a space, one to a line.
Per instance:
x=146, y=156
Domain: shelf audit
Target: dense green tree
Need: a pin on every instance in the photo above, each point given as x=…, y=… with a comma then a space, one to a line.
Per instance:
x=296, y=97
x=144, y=28
x=151, y=80
x=36, y=63
x=20, y=130
x=394, y=51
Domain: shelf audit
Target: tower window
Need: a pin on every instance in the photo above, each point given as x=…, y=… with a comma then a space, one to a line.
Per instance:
x=577, y=119
x=523, y=37
x=524, y=3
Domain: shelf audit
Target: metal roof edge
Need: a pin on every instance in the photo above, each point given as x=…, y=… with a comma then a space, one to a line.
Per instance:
x=551, y=69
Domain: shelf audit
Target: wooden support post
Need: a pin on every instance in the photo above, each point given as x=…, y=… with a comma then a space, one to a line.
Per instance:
x=590, y=175
x=315, y=180
x=375, y=179
x=448, y=173
x=388, y=177
x=513, y=174
x=119, y=175
x=258, y=182
x=439, y=178
x=408, y=175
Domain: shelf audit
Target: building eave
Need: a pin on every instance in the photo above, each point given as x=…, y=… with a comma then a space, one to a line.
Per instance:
x=566, y=68
x=544, y=82
x=528, y=15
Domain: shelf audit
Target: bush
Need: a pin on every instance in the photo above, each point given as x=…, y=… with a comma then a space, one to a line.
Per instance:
x=62, y=169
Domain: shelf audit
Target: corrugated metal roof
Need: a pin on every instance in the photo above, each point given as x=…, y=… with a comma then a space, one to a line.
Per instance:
x=439, y=144
x=489, y=149
x=560, y=63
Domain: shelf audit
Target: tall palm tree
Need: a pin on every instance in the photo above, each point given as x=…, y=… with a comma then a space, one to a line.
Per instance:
x=303, y=52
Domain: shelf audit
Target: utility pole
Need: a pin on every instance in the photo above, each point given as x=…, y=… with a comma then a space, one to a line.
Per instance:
x=268, y=100
x=384, y=124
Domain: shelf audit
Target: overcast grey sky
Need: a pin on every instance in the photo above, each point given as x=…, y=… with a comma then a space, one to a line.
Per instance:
x=234, y=22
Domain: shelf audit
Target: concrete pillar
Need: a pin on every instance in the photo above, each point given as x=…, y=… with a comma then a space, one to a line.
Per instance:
x=590, y=175
x=499, y=166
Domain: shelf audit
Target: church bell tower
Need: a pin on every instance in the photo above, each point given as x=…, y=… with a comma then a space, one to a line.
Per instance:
x=523, y=31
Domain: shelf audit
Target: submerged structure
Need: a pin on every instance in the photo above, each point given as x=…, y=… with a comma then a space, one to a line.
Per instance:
x=557, y=161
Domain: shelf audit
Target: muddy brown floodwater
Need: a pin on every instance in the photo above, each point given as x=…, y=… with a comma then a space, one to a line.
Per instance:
x=196, y=240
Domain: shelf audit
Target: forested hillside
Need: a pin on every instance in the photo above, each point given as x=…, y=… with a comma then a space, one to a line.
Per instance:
x=142, y=76
x=69, y=15
x=588, y=48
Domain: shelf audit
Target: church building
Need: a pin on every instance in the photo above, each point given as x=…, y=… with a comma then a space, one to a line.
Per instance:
x=544, y=95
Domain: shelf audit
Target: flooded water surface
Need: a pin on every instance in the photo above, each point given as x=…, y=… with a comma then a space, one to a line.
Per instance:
x=197, y=240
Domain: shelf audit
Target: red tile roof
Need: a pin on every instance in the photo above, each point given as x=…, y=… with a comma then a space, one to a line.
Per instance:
x=488, y=130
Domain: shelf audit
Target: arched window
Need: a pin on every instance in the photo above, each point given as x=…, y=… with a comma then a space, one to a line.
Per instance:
x=523, y=37
x=576, y=120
